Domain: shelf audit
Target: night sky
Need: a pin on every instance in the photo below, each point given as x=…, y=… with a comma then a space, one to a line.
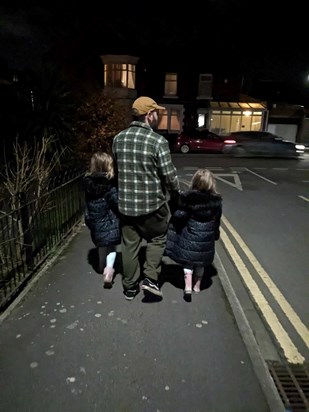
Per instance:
x=226, y=36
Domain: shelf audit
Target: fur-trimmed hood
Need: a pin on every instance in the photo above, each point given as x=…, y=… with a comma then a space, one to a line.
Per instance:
x=97, y=184
x=198, y=199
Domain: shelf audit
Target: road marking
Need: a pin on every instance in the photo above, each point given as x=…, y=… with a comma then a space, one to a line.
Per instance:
x=195, y=168
x=235, y=177
x=261, y=177
x=304, y=198
x=237, y=169
x=185, y=182
x=296, y=322
x=289, y=349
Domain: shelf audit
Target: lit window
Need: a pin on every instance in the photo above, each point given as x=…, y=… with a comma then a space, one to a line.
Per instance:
x=201, y=120
x=119, y=75
x=171, y=118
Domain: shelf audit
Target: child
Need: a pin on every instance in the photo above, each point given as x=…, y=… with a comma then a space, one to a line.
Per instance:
x=194, y=228
x=101, y=212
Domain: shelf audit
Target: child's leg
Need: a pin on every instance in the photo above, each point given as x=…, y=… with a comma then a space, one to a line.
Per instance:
x=109, y=269
x=110, y=259
x=188, y=280
x=198, y=274
x=102, y=253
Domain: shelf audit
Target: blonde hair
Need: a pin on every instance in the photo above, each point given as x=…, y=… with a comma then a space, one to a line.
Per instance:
x=102, y=162
x=203, y=179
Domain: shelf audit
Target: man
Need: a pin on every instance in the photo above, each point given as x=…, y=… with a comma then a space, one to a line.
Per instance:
x=145, y=175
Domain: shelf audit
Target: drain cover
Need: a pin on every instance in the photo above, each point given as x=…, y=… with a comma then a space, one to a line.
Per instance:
x=292, y=382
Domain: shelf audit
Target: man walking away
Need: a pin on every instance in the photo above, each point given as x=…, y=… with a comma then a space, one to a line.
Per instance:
x=145, y=175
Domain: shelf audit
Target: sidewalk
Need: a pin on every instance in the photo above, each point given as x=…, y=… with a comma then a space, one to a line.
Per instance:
x=69, y=345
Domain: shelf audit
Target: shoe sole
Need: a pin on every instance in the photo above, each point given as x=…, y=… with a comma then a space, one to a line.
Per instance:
x=151, y=290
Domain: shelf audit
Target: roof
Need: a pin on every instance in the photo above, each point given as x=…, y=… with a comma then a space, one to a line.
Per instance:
x=238, y=105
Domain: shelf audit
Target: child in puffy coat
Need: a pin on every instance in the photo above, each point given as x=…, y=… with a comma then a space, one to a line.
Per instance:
x=194, y=228
x=101, y=212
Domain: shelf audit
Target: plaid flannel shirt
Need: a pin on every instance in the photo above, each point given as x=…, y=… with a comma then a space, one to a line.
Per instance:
x=145, y=169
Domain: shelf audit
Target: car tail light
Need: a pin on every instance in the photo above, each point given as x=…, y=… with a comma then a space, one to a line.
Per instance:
x=229, y=141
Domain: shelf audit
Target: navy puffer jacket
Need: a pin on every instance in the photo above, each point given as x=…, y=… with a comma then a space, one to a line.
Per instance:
x=101, y=213
x=194, y=228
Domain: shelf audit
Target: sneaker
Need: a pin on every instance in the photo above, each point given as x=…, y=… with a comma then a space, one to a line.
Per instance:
x=151, y=286
x=187, y=296
x=130, y=294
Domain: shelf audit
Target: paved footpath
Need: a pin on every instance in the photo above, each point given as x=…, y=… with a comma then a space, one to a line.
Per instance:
x=68, y=344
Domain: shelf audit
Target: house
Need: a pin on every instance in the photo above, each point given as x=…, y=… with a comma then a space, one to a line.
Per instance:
x=193, y=98
x=289, y=121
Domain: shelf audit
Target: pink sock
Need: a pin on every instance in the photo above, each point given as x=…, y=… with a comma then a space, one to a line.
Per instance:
x=188, y=279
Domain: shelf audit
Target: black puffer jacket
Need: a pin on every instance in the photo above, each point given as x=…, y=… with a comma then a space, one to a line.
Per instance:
x=101, y=214
x=194, y=228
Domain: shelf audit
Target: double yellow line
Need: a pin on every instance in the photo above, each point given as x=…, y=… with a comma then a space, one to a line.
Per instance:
x=289, y=349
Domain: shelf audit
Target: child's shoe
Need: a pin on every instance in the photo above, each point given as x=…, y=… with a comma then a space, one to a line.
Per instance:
x=187, y=295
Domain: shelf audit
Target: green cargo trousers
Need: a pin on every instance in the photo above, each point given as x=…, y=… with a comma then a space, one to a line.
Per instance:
x=153, y=229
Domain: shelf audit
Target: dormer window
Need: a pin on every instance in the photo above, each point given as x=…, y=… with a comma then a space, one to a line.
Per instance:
x=170, y=87
x=119, y=75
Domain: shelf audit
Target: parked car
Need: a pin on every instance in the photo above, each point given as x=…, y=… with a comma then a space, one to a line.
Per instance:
x=262, y=144
x=200, y=140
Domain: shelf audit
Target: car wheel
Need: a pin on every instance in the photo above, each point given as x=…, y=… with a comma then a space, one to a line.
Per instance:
x=185, y=148
x=238, y=151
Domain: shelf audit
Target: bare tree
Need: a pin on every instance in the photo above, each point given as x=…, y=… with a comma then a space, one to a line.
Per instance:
x=24, y=182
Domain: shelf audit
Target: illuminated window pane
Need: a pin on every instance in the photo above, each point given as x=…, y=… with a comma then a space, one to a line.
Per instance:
x=163, y=120
x=174, y=120
x=131, y=76
x=170, y=119
x=119, y=75
x=215, y=123
x=201, y=120
x=245, y=123
x=235, y=124
x=244, y=105
x=225, y=124
x=256, y=123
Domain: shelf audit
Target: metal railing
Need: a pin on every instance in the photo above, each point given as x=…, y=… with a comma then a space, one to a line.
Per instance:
x=30, y=234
